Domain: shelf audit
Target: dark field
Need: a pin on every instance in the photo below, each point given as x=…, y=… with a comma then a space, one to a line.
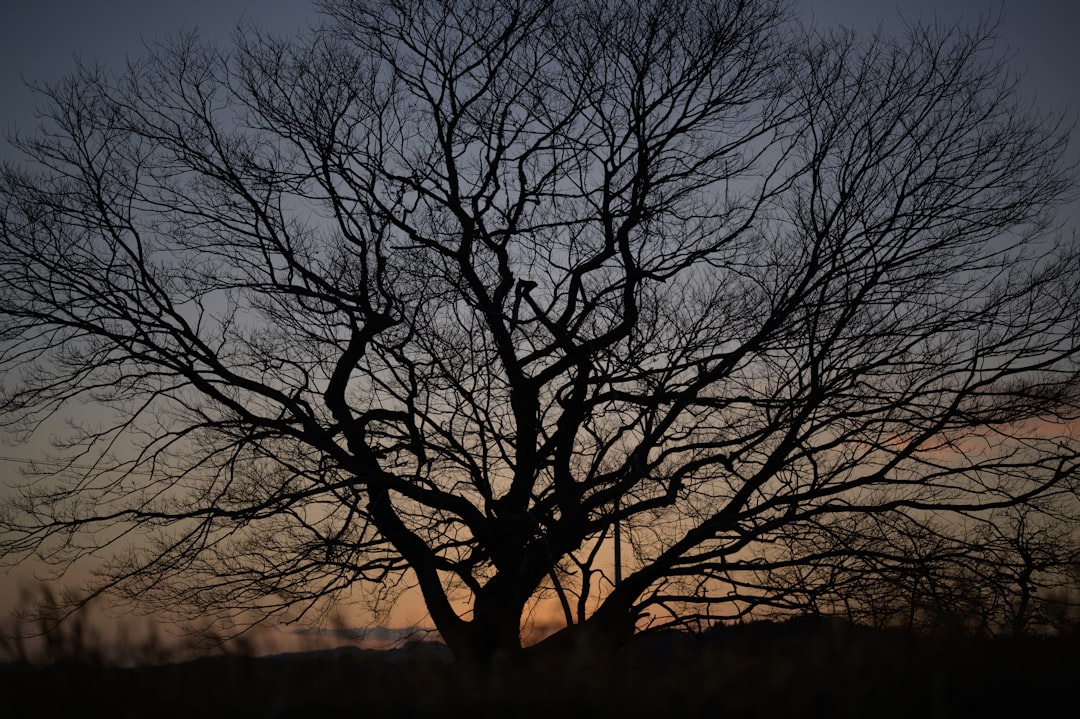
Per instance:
x=765, y=670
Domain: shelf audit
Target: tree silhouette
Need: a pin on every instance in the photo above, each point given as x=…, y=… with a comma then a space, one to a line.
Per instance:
x=446, y=295
x=990, y=573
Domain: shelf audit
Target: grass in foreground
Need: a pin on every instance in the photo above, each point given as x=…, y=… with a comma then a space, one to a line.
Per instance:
x=765, y=670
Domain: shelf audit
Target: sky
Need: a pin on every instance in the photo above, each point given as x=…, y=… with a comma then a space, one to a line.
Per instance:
x=39, y=40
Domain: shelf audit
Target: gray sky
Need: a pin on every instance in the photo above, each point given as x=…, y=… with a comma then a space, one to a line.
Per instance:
x=38, y=38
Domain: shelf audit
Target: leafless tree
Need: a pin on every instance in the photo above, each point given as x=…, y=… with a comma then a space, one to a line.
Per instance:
x=447, y=295
x=1002, y=572
x=1023, y=560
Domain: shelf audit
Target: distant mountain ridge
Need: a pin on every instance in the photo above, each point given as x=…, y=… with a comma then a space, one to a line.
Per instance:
x=369, y=634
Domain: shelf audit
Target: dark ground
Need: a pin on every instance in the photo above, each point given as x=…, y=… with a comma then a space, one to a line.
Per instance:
x=765, y=670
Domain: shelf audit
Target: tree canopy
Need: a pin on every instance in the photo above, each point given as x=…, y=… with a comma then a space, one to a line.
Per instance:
x=466, y=295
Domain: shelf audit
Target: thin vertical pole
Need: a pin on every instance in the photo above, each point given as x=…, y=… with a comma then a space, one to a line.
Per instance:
x=618, y=545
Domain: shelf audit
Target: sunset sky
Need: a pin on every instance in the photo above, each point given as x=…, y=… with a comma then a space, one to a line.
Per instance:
x=40, y=38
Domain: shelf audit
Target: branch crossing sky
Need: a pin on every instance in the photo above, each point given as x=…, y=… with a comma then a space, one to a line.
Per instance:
x=38, y=38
